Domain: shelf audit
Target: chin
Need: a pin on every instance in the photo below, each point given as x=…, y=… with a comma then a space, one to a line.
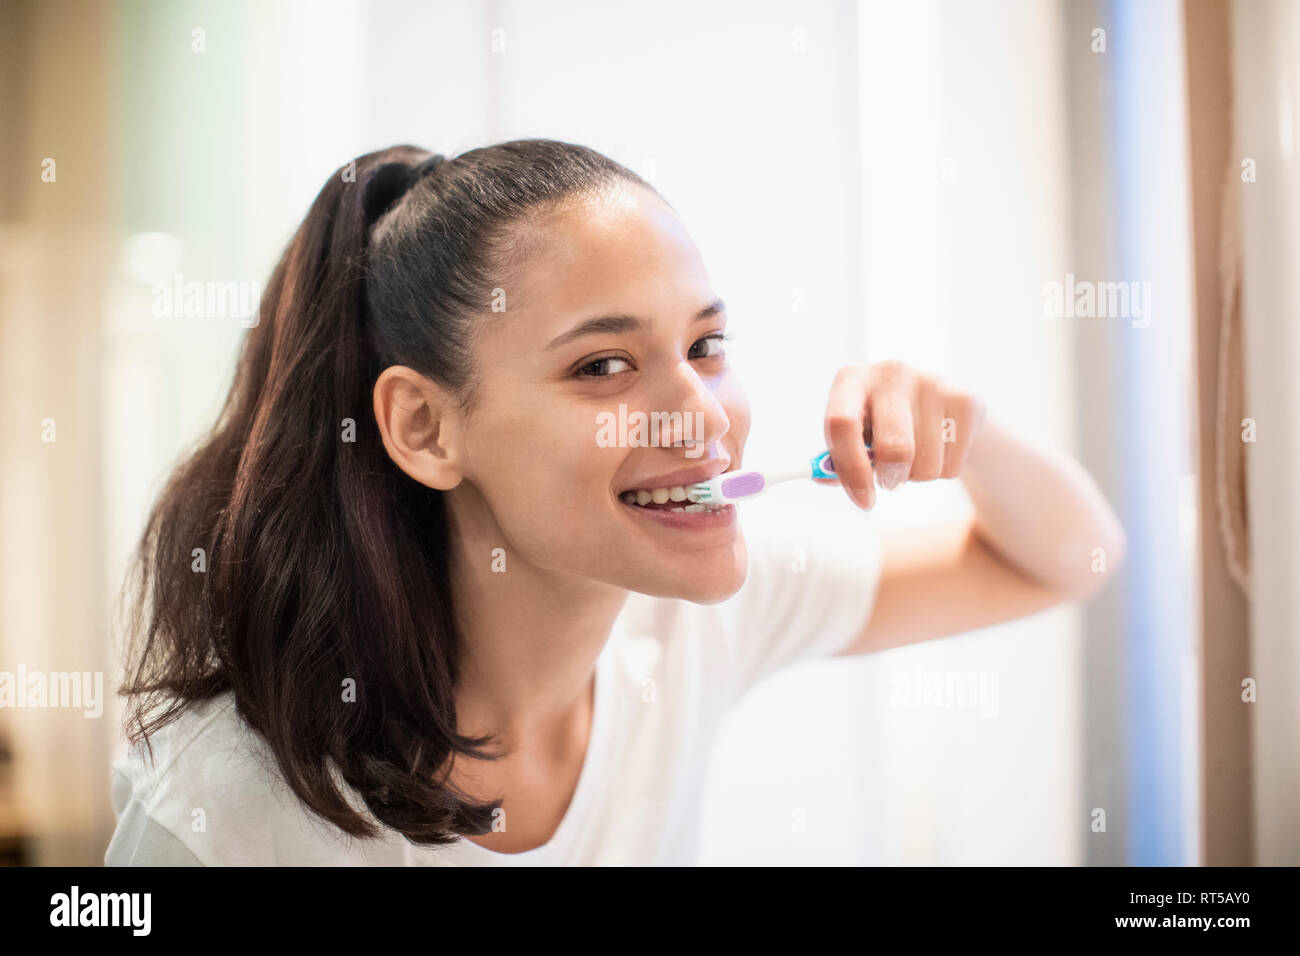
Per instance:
x=702, y=582
x=711, y=595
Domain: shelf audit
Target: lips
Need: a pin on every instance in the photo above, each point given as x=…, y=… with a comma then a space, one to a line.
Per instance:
x=683, y=477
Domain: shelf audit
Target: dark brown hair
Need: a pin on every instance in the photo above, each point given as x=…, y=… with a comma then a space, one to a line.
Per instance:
x=324, y=562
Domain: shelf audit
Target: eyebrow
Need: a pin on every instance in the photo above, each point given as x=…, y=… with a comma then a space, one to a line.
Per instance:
x=614, y=324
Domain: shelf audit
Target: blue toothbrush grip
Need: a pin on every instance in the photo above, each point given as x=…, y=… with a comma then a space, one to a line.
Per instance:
x=824, y=467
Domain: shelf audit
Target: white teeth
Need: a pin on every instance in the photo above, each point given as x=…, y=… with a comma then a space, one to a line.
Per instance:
x=691, y=501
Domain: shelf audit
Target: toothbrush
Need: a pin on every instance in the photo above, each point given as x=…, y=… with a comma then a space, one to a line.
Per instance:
x=743, y=485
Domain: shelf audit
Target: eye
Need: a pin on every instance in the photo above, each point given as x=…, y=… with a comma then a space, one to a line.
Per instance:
x=710, y=346
x=604, y=367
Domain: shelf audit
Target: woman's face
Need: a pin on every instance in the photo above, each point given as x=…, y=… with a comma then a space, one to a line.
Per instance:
x=551, y=448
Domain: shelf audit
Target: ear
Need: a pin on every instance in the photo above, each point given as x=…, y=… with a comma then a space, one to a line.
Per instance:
x=420, y=425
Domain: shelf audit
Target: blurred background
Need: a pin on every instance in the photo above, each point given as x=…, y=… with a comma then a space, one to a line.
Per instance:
x=866, y=181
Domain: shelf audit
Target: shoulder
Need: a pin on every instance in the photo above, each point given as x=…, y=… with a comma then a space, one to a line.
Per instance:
x=811, y=581
x=206, y=790
x=811, y=561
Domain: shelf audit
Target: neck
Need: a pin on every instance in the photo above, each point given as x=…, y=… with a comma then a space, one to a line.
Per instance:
x=529, y=637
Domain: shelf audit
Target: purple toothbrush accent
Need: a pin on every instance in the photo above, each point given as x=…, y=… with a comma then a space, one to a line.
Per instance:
x=828, y=464
x=743, y=486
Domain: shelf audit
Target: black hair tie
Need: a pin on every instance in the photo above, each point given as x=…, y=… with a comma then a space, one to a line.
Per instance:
x=390, y=182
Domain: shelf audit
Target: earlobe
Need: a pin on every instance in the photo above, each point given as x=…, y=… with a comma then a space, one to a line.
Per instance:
x=420, y=427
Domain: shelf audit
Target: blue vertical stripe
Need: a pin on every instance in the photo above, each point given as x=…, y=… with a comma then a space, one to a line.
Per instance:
x=1152, y=423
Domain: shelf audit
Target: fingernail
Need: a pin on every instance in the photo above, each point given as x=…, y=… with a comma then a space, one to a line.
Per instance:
x=864, y=495
x=891, y=474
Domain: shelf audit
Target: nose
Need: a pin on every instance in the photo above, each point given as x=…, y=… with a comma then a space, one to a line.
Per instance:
x=703, y=419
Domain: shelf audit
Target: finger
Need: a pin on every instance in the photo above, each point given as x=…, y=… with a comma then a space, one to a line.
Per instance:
x=845, y=421
x=927, y=464
x=963, y=414
x=893, y=437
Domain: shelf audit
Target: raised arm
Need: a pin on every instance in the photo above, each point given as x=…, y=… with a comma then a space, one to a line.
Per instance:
x=1041, y=531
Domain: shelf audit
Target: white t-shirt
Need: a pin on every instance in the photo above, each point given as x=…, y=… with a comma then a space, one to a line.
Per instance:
x=664, y=681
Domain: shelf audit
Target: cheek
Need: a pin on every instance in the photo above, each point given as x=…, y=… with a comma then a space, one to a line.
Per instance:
x=541, y=472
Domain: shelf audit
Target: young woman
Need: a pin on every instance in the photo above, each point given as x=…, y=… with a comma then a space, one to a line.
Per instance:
x=403, y=607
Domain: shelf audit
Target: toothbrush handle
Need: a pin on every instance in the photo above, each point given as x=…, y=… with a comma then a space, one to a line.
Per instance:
x=806, y=470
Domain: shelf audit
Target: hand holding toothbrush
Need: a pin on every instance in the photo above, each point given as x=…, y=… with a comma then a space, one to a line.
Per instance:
x=885, y=423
